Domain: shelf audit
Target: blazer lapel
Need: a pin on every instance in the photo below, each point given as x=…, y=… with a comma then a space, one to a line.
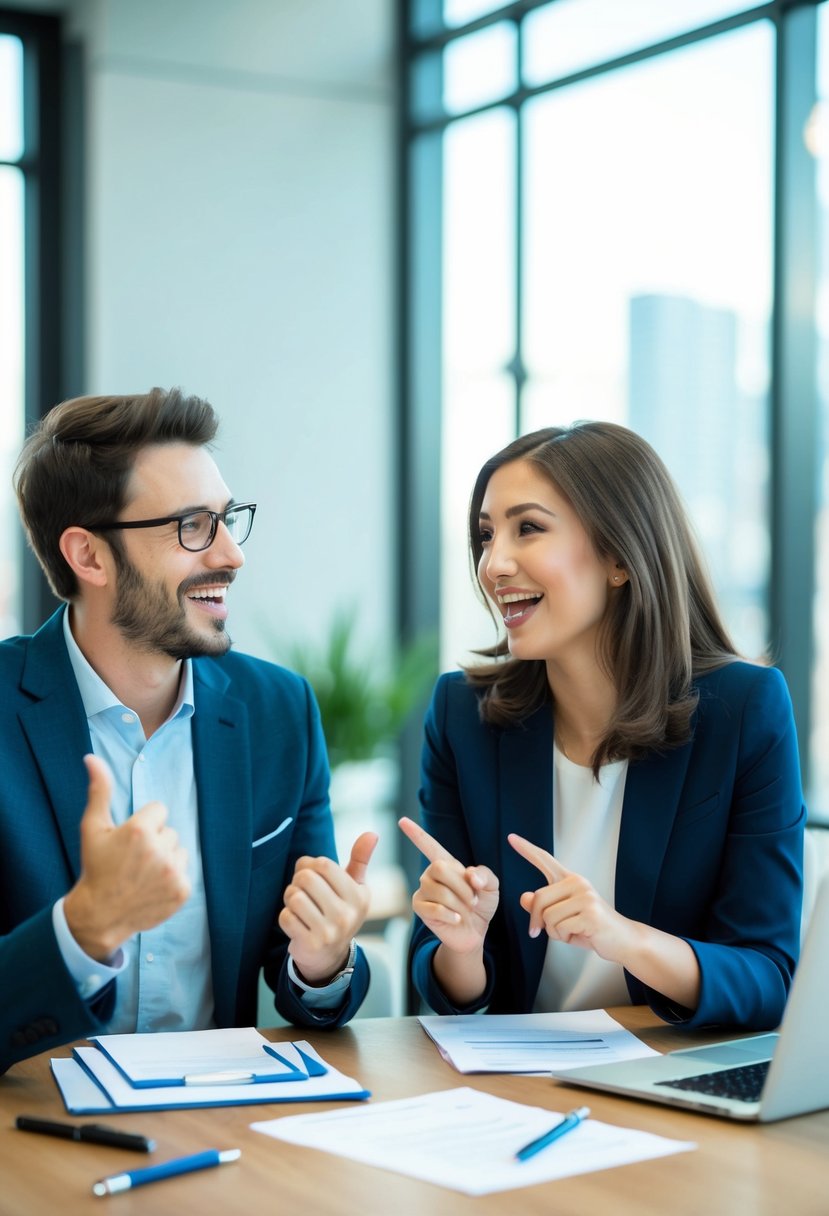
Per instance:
x=525, y=806
x=221, y=750
x=652, y=791
x=55, y=726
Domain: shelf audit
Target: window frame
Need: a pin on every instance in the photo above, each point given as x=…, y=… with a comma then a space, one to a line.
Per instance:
x=41, y=164
x=794, y=426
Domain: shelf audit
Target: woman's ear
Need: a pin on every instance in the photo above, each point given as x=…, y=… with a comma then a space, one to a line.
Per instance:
x=87, y=556
x=617, y=575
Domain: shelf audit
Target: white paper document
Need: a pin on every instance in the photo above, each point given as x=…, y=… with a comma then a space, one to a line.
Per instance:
x=194, y=1057
x=467, y=1141
x=532, y=1042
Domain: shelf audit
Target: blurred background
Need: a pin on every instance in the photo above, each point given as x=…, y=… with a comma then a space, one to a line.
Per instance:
x=384, y=237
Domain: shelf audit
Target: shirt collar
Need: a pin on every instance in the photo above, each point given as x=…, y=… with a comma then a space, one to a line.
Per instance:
x=98, y=696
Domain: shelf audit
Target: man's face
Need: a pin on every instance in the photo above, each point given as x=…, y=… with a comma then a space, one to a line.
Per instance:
x=167, y=599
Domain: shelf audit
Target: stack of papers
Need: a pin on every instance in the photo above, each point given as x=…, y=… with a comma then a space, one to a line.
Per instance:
x=467, y=1140
x=532, y=1042
x=195, y=1068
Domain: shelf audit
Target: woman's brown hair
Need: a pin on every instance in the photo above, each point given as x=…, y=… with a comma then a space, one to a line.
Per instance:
x=662, y=627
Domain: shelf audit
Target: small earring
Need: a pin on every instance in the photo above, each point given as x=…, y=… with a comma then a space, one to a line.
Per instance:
x=615, y=578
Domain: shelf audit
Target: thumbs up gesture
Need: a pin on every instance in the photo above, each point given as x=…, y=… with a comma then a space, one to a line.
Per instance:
x=133, y=875
x=324, y=906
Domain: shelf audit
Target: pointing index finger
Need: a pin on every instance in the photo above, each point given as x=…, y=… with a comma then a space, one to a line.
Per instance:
x=552, y=869
x=422, y=841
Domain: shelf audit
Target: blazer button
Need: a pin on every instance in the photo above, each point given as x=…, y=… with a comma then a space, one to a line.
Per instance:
x=42, y=1028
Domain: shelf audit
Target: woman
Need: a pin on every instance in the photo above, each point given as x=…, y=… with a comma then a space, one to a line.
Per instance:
x=612, y=804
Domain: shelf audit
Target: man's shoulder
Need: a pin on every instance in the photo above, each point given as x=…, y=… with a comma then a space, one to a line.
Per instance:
x=244, y=674
x=13, y=651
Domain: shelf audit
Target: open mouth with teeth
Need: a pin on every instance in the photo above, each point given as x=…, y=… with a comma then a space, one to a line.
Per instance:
x=519, y=607
x=210, y=599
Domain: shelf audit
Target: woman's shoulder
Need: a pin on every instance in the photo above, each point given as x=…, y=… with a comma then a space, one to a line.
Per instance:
x=740, y=681
x=453, y=688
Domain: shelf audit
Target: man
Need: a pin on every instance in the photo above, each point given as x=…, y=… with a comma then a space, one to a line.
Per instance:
x=205, y=849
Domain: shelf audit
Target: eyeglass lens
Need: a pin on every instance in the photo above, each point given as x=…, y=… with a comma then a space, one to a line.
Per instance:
x=197, y=531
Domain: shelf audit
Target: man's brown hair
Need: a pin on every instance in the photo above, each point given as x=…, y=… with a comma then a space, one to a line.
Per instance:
x=75, y=466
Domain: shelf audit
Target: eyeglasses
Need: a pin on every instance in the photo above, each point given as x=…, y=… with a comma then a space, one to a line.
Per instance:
x=197, y=529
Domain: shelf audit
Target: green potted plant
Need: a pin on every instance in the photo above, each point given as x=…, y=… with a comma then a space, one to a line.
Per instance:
x=363, y=709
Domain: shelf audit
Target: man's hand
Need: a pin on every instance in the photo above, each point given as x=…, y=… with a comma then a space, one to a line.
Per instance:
x=133, y=876
x=324, y=906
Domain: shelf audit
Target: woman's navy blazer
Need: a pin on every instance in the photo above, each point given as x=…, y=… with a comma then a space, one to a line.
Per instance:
x=710, y=846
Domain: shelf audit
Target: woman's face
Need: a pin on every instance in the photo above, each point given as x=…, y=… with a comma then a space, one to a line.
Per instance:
x=540, y=569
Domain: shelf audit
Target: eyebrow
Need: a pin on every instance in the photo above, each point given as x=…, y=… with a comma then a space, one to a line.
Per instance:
x=194, y=510
x=520, y=509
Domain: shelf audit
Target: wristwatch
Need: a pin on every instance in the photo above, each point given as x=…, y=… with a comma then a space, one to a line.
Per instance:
x=345, y=973
x=348, y=969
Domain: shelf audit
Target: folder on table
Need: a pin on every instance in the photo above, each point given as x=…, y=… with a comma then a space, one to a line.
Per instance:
x=191, y=1072
x=200, y=1057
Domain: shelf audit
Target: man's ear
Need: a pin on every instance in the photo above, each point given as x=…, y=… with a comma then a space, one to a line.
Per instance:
x=89, y=557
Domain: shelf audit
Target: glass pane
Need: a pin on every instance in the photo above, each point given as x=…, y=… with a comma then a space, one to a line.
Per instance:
x=647, y=277
x=11, y=390
x=569, y=35
x=478, y=342
x=458, y=12
x=480, y=68
x=11, y=98
x=478, y=420
x=479, y=237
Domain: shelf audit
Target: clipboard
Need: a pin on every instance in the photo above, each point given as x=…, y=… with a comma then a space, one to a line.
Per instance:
x=89, y=1083
x=198, y=1057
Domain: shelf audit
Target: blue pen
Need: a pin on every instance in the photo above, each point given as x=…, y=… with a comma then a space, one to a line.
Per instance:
x=168, y=1169
x=570, y=1120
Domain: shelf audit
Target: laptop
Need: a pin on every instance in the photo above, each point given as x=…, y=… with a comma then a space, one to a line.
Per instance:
x=761, y=1077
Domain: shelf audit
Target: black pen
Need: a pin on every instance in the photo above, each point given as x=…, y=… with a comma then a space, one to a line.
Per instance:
x=91, y=1133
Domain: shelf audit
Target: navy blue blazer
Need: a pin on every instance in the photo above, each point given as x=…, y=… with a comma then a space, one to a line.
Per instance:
x=259, y=757
x=710, y=846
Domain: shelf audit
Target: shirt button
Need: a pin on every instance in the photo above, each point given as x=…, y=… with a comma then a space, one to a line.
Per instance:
x=129, y=718
x=150, y=957
x=141, y=757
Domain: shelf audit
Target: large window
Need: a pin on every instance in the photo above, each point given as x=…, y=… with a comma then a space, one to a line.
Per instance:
x=32, y=362
x=623, y=230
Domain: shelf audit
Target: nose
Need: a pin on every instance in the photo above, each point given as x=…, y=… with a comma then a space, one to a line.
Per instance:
x=498, y=559
x=224, y=550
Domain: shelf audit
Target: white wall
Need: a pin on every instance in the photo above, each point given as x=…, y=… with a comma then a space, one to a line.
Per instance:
x=239, y=185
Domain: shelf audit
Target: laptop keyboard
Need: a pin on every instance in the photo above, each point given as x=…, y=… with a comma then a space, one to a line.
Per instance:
x=744, y=1084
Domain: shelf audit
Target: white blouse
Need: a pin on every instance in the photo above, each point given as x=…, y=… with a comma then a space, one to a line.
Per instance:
x=586, y=818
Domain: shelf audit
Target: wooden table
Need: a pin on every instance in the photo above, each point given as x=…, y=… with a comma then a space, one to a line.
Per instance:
x=779, y=1169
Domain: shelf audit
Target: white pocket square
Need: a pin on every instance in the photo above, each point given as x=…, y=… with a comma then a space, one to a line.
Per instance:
x=263, y=839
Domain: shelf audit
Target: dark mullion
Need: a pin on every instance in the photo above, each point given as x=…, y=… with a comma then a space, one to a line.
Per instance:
x=41, y=166
x=518, y=368
x=526, y=92
x=795, y=440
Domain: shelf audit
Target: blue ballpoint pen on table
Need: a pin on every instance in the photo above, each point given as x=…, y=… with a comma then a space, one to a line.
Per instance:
x=570, y=1121
x=167, y=1169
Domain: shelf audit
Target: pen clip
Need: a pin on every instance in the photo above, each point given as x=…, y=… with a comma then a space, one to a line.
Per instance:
x=219, y=1078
